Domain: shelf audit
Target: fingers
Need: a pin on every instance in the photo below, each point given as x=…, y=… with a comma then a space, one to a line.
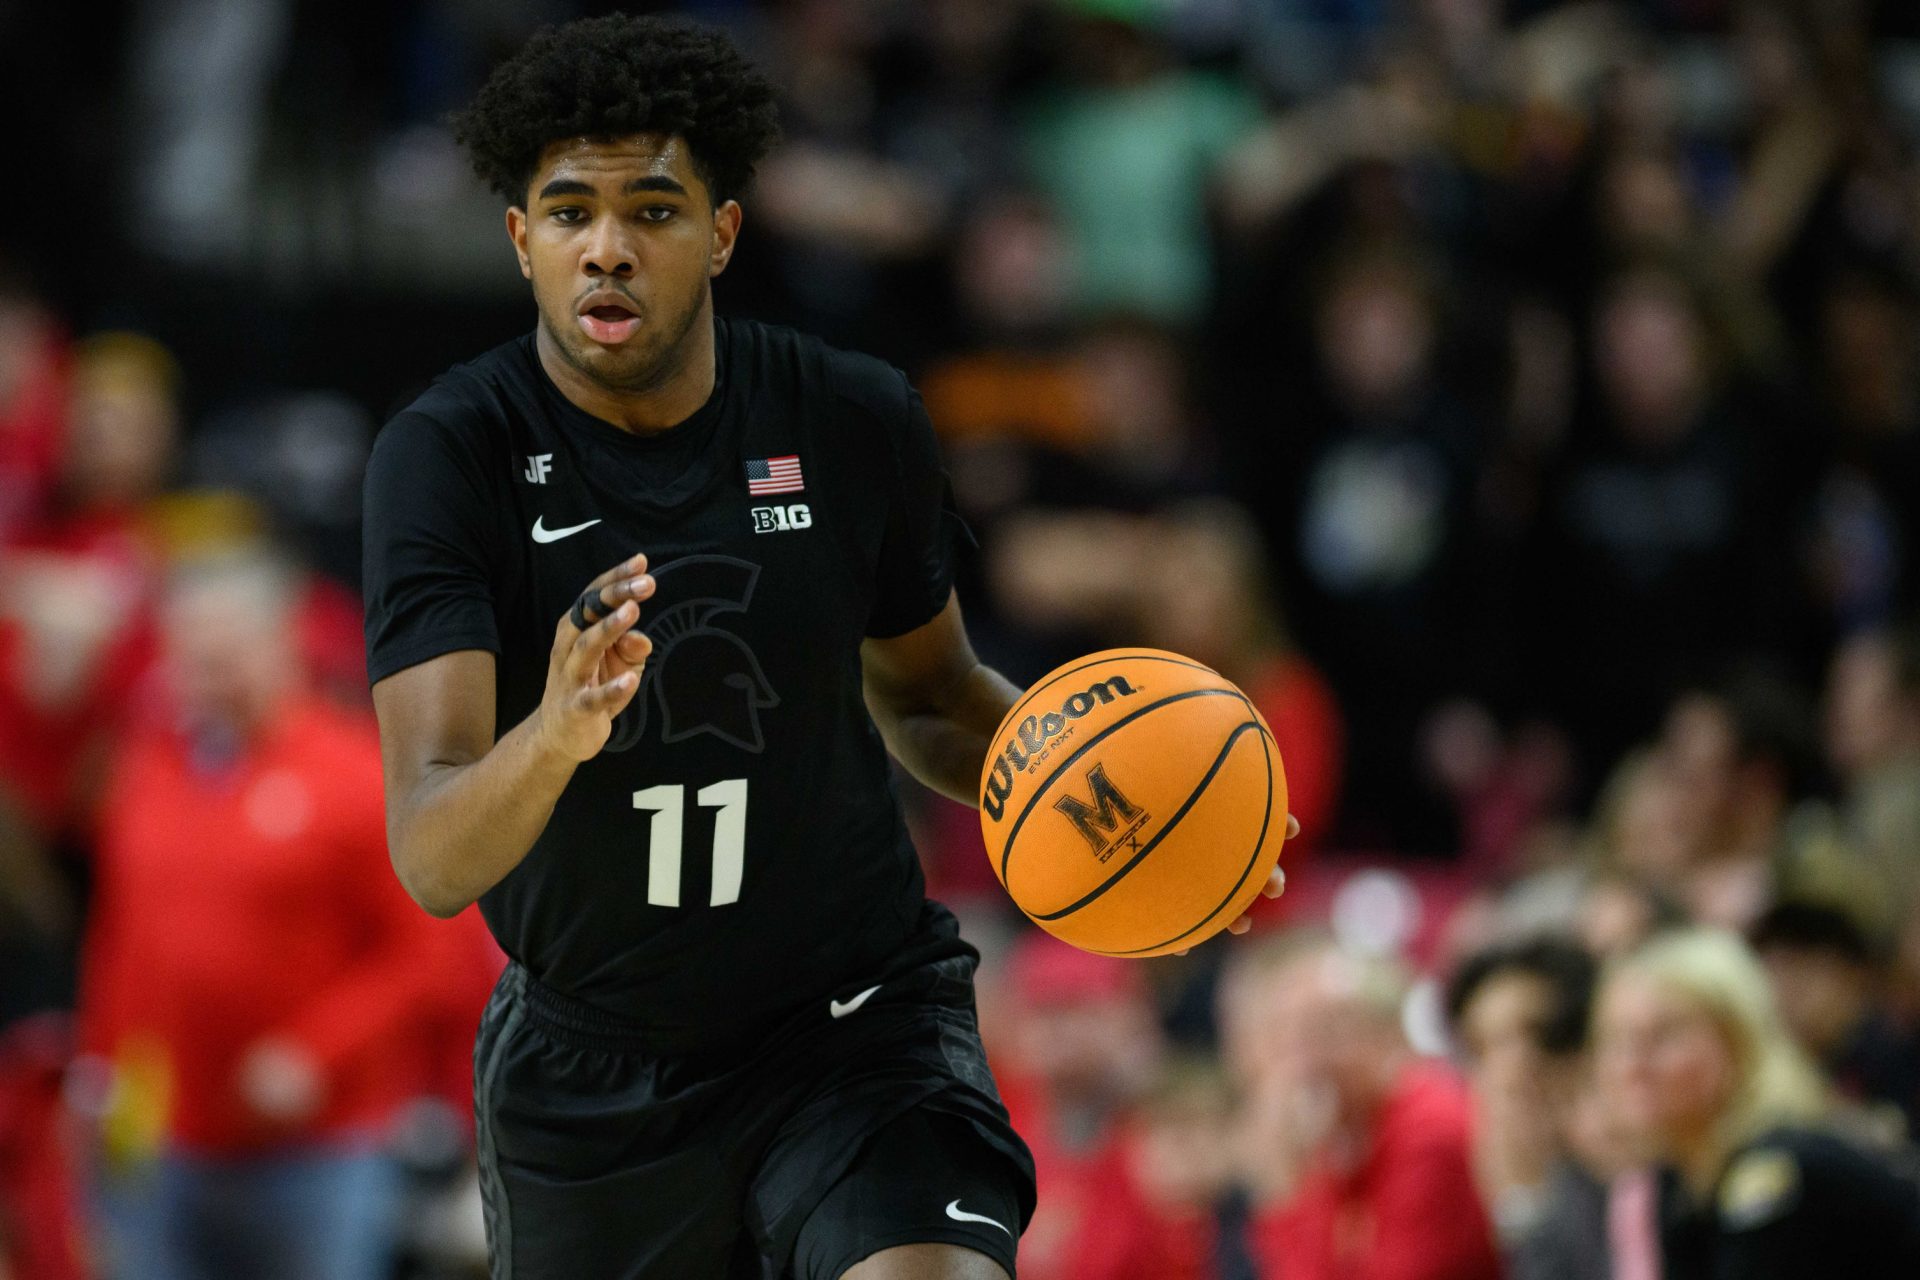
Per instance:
x=582, y=657
x=1276, y=883
x=632, y=567
x=627, y=580
x=1293, y=827
x=634, y=647
x=609, y=698
x=593, y=603
x=1275, y=886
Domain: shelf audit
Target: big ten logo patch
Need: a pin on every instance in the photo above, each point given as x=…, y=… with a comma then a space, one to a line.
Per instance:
x=781, y=519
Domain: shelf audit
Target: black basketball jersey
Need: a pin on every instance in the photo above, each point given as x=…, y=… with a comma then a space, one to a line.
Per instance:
x=737, y=848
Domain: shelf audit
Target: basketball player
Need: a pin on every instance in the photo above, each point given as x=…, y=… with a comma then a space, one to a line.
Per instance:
x=735, y=1040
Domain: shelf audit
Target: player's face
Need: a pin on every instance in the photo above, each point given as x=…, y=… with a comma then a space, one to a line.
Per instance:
x=620, y=237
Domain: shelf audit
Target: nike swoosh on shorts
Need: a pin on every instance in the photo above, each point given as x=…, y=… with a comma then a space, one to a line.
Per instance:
x=840, y=1010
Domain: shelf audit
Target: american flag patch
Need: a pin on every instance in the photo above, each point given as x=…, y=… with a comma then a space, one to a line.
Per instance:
x=774, y=475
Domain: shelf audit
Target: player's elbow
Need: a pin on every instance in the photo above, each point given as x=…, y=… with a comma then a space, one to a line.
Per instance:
x=442, y=907
x=426, y=883
x=438, y=902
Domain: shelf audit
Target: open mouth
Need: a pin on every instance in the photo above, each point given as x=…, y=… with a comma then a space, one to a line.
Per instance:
x=609, y=322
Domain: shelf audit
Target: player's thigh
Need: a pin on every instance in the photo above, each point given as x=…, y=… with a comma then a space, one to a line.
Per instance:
x=586, y=1173
x=928, y=1262
x=928, y=1197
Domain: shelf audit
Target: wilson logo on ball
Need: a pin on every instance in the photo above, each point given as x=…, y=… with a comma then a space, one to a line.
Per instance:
x=1109, y=821
x=1035, y=736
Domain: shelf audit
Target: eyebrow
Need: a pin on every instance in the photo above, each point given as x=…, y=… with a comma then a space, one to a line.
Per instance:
x=574, y=187
x=656, y=182
x=566, y=187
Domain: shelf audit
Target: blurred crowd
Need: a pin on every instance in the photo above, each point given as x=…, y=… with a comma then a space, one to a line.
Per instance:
x=1519, y=399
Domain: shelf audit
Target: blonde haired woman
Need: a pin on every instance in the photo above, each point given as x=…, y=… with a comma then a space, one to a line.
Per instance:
x=1698, y=1071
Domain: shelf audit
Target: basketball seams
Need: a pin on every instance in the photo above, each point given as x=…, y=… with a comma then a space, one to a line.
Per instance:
x=1268, y=745
x=1193, y=798
x=1006, y=846
x=1109, y=655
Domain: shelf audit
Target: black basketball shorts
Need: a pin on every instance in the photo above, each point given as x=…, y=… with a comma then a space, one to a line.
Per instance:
x=830, y=1139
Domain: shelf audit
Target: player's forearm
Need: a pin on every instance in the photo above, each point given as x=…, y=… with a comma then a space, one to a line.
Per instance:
x=945, y=744
x=466, y=826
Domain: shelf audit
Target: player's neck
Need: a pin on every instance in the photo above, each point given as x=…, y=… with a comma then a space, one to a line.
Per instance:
x=677, y=395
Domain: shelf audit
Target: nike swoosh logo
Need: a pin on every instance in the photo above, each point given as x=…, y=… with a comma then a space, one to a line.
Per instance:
x=543, y=534
x=958, y=1214
x=840, y=1010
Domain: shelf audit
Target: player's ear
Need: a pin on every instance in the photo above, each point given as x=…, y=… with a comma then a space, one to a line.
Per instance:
x=517, y=232
x=726, y=230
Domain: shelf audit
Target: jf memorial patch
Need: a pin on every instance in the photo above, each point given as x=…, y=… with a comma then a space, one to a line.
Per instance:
x=1760, y=1187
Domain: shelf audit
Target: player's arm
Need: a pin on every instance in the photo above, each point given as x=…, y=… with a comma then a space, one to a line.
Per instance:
x=463, y=809
x=936, y=704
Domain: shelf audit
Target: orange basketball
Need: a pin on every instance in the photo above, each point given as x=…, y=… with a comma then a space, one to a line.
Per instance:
x=1133, y=803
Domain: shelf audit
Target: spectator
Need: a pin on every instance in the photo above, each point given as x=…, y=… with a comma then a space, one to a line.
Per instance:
x=1699, y=1071
x=1873, y=742
x=1204, y=591
x=1827, y=976
x=1066, y=547
x=1505, y=789
x=1652, y=571
x=1125, y=146
x=1360, y=1155
x=255, y=979
x=1161, y=1220
x=1382, y=535
x=1618, y=913
x=1519, y=1014
x=1856, y=532
x=1084, y=1050
x=75, y=603
x=1741, y=762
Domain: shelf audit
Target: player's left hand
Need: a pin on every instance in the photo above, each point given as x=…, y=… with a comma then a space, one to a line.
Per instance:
x=1275, y=886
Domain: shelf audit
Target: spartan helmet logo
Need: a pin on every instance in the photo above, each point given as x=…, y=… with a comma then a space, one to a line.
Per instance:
x=704, y=677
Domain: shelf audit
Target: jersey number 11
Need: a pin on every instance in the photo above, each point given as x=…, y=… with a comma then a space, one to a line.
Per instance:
x=668, y=803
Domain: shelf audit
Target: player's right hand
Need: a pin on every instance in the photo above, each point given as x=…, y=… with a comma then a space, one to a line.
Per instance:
x=592, y=674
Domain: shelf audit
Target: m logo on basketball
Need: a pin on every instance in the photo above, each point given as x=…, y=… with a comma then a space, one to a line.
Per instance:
x=1106, y=822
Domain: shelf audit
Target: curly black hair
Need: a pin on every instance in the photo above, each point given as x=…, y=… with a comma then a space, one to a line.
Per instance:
x=617, y=75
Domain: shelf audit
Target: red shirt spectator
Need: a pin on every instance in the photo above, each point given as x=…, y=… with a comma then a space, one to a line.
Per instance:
x=1093, y=1223
x=249, y=901
x=1081, y=1186
x=76, y=574
x=76, y=640
x=1406, y=1209
x=1096, y=1219
x=1082, y=1048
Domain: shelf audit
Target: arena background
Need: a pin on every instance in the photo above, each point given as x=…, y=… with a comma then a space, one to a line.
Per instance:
x=1520, y=400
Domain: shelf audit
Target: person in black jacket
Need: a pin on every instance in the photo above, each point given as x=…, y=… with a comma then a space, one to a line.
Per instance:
x=1695, y=1064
